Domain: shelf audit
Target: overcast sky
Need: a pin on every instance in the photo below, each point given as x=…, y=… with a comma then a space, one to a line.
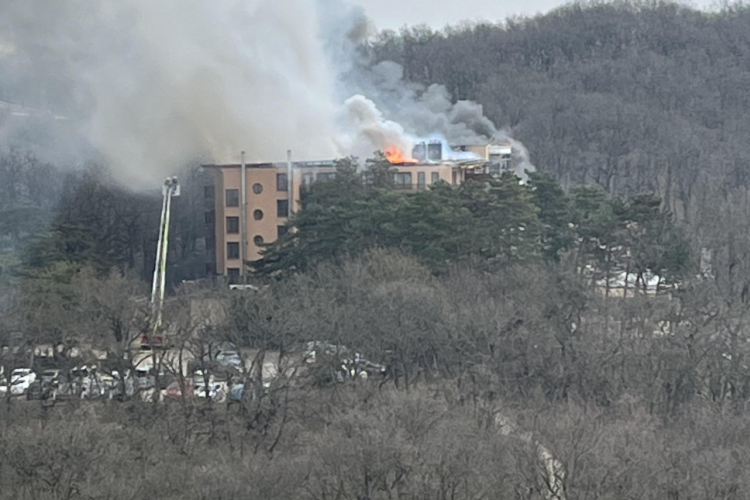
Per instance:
x=392, y=14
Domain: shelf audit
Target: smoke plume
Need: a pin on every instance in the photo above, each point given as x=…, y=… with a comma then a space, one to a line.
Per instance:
x=148, y=85
x=370, y=131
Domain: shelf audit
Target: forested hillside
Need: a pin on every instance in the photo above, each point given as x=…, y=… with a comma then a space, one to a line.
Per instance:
x=493, y=224
x=634, y=96
x=581, y=335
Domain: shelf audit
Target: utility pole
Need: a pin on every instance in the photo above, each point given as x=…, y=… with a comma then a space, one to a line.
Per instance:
x=290, y=181
x=243, y=218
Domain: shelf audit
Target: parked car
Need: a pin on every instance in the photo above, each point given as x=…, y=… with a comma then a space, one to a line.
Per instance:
x=339, y=362
x=45, y=386
x=236, y=392
x=174, y=391
x=143, y=378
x=51, y=377
x=93, y=387
x=225, y=358
x=315, y=350
x=20, y=381
x=229, y=359
x=217, y=390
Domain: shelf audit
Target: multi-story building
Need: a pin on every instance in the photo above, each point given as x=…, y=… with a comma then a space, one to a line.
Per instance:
x=272, y=191
x=238, y=233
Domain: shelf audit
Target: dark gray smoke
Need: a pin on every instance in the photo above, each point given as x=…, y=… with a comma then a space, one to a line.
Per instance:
x=421, y=112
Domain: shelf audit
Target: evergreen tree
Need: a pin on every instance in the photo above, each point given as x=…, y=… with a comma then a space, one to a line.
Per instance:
x=505, y=227
x=657, y=246
x=552, y=202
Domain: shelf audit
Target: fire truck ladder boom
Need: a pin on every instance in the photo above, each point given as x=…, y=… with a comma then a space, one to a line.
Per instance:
x=170, y=189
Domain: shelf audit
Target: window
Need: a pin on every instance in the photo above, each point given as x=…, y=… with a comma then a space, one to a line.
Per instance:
x=435, y=177
x=257, y=214
x=258, y=240
x=233, y=197
x=208, y=192
x=402, y=179
x=233, y=225
x=326, y=176
x=233, y=250
x=281, y=231
x=209, y=269
x=421, y=179
x=233, y=273
x=281, y=182
x=210, y=242
x=209, y=217
x=282, y=208
x=257, y=188
x=307, y=179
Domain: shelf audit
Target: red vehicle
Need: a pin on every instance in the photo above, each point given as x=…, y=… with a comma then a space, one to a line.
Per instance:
x=173, y=390
x=151, y=342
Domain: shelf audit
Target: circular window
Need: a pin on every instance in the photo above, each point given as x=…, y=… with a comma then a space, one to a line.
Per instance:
x=257, y=188
x=258, y=240
x=258, y=214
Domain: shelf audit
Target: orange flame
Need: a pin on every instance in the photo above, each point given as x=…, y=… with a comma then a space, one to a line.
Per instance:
x=397, y=157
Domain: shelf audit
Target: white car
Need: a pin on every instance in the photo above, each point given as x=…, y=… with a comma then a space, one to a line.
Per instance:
x=216, y=390
x=20, y=380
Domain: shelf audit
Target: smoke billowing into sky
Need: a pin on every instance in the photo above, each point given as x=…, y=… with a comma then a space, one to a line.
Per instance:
x=148, y=85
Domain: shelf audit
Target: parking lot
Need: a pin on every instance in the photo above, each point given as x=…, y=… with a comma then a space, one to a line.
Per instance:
x=165, y=374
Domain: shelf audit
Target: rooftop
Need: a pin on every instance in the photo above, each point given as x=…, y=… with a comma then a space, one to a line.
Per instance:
x=295, y=164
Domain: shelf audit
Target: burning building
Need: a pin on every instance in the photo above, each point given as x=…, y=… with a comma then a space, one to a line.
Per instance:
x=243, y=216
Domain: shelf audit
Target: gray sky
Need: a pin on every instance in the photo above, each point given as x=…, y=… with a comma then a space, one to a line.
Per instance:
x=392, y=14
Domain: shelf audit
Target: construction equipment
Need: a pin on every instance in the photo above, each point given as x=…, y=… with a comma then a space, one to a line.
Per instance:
x=154, y=339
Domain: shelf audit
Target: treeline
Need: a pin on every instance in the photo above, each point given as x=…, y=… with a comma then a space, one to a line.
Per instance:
x=495, y=222
x=633, y=96
x=496, y=307
x=636, y=396
x=29, y=188
x=66, y=218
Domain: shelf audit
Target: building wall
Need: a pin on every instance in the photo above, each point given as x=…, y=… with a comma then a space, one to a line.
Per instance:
x=231, y=180
x=480, y=150
x=267, y=227
x=218, y=237
x=265, y=205
x=444, y=172
x=263, y=219
x=303, y=175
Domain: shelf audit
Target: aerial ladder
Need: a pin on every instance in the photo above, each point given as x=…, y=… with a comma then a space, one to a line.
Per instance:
x=152, y=337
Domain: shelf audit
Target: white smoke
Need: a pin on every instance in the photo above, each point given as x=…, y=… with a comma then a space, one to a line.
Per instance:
x=522, y=162
x=370, y=131
x=421, y=110
x=151, y=84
